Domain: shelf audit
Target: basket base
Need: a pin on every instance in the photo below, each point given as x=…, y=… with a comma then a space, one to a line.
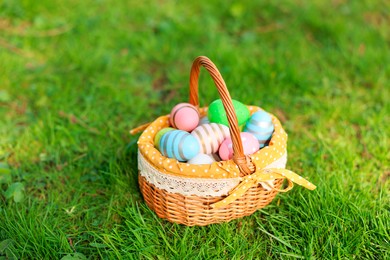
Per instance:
x=196, y=211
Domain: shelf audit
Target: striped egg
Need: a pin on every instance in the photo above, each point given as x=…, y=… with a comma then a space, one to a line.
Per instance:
x=184, y=116
x=260, y=125
x=210, y=136
x=179, y=145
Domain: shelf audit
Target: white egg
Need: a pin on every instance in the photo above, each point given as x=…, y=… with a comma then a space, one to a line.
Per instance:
x=202, y=159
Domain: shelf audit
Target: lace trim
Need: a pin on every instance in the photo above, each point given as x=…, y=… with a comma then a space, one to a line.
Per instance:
x=196, y=186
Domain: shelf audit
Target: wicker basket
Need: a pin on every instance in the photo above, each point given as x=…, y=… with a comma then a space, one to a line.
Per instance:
x=226, y=190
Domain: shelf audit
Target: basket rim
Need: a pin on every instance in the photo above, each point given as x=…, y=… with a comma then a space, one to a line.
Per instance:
x=218, y=170
x=197, y=186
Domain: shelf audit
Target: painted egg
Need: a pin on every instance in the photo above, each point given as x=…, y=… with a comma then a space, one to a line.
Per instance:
x=217, y=114
x=159, y=135
x=261, y=126
x=184, y=116
x=202, y=159
x=249, y=143
x=179, y=145
x=204, y=120
x=210, y=136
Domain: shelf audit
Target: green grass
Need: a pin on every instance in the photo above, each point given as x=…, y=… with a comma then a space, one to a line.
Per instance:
x=76, y=76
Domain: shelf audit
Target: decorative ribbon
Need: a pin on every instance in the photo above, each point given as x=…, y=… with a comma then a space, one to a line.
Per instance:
x=139, y=128
x=262, y=176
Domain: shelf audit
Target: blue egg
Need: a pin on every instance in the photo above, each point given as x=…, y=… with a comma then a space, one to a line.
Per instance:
x=179, y=145
x=261, y=126
x=204, y=120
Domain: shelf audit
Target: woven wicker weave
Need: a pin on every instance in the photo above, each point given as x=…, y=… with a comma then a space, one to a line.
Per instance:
x=199, y=210
x=195, y=210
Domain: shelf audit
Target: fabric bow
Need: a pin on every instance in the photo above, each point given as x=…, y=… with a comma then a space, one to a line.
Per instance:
x=263, y=175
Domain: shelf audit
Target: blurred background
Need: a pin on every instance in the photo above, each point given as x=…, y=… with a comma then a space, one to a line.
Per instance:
x=76, y=76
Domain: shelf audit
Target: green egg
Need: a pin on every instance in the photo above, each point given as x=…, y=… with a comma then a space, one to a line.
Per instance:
x=160, y=134
x=217, y=114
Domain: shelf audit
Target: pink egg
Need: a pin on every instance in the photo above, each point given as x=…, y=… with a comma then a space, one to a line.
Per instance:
x=184, y=116
x=249, y=143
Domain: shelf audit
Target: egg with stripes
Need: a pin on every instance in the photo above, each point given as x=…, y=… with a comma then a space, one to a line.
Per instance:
x=249, y=144
x=179, y=145
x=184, y=116
x=210, y=136
x=261, y=126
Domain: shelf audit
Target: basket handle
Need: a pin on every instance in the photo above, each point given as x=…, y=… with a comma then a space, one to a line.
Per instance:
x=244, y=162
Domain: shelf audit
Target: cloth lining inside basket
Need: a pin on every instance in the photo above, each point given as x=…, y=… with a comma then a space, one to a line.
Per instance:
x=224, y=169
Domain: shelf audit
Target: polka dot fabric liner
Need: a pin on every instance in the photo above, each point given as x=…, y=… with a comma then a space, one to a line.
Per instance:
x=217, y=170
